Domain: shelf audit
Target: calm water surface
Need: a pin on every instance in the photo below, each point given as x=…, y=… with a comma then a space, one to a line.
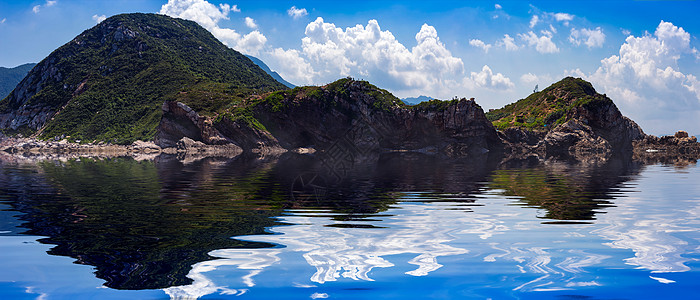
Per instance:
x=397, y=226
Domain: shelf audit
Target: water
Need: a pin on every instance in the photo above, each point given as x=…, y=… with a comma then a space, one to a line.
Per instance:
x=398, y=226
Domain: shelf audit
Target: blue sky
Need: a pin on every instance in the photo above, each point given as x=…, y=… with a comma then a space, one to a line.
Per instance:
x=642, y=54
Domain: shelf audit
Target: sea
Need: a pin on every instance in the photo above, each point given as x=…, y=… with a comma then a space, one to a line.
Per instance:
x=381, y=226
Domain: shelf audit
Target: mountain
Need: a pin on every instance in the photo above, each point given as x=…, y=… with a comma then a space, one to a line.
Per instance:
x=110, y=82
x=416, y=100
x=568, y=118
x=10, y=77
x=267, y=70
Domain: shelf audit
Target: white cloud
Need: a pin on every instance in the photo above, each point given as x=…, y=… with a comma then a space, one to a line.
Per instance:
x=509, y=43
x=487, y=79
x=480, y=44
x=251, y=43
x=371, y=53
x=592, y=38
x=529, y=78
x=498, y=6
x=625, y=31
x=646, y=78
x=293, y=66
x=99, y=18
x=543, y=44
x=209, y=15
x=563, y=17
x=250, y=23
x=48, y=3
x=367, y=52
x=535, y=19
x=297, y=13
x=3, y=21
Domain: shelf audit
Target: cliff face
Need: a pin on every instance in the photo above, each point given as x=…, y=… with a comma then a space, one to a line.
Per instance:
x=110, y=81
x=344, y=114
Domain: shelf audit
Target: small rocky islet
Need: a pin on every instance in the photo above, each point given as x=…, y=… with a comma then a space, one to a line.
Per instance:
x=145, y=84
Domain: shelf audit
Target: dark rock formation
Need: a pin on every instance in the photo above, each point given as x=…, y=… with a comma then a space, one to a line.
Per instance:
x=346, y=115
x=673, y=149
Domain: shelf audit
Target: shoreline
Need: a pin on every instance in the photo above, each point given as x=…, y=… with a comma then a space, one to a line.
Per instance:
x=679, y=150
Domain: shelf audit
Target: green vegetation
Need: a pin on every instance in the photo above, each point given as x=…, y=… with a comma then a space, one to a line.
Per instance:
x=327, y=97
x=10, y=77
x=548, y=108
x=115, y=77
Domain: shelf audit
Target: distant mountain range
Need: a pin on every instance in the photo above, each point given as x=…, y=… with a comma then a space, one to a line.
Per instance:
x=10, y=77
x=267, y=70
x=416, y=100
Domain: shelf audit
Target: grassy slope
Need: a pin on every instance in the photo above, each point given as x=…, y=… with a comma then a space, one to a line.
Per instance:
x=127, y=79
x=548, y=108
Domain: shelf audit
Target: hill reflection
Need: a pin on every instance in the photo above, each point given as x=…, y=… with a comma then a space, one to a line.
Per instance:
x=144, y=225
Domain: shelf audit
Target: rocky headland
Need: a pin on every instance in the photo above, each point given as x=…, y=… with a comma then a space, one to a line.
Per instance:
x=144, y=85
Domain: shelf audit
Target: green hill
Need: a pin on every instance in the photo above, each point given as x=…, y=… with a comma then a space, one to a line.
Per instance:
x=110, y=82
x=10, y=77
x=548, y=108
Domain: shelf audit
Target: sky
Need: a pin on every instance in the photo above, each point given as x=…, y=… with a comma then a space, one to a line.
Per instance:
x=642, y=54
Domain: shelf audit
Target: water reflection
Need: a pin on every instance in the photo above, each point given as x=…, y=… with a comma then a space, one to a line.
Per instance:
x=565, y=191
x=176, y=226
x=660, y=228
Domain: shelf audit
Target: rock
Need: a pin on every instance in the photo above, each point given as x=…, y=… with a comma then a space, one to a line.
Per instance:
x=344, y=118
x=188, y=143
x=681, y=134
x=179, y=121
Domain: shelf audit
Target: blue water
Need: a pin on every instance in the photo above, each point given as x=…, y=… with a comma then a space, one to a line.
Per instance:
x=396, y=228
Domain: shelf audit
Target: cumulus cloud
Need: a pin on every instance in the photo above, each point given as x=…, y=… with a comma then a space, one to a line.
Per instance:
x=3, y=21
x=297, y=13
x=480, y=44
x=367, y=52
x=250, y=23
x=645, y=75
x=99, y=18
x=293, y=66
x=592, y=38
x=209, y=15
x=543, y=43
x=508, y=43
x=36, y=9
x=535, y=19
x=486, y=78
x=563, y=17
x=498, y=6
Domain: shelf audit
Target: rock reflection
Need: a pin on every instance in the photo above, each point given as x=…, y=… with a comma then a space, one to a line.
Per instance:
x=172, y=225
x=565, y=191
